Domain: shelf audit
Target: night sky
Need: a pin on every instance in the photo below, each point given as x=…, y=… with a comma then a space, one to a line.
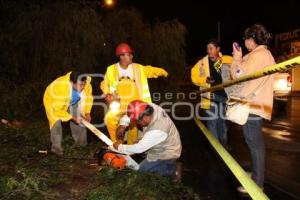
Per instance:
x=201, y=19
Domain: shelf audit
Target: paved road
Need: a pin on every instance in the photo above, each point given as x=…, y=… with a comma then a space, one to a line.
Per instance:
x=208, y=175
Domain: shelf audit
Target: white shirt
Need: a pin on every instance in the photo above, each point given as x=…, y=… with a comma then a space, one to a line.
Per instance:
x=125, y=72
x=150, y=139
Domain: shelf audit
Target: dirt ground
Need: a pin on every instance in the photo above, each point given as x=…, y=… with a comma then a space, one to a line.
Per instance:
x=27, y=174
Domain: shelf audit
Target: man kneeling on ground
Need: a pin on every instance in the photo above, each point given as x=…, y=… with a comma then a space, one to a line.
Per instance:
x=160, y=138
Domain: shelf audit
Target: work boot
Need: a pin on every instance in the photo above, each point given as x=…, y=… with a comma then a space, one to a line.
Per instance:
x=57, y=151
x=243, y=191
x=178, y=173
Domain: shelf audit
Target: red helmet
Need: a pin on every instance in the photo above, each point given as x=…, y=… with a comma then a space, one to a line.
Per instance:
x=135, y=109
x=123, y=48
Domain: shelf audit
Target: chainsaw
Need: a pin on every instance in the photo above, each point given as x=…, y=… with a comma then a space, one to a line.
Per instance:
x=130, y=163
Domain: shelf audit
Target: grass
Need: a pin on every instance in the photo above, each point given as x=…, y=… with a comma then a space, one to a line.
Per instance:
x=27, y=174
x=128, y=184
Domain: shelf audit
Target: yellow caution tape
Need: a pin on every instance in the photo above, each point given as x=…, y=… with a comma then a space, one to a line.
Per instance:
x=251, y=187
x=281, y=67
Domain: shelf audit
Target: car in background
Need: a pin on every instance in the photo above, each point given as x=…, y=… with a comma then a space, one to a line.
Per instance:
x=282, y=91
x=282, y=86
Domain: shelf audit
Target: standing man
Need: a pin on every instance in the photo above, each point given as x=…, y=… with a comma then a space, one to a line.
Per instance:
x=68, y=99
x=126, y=81
x=161, y=138
x=212, y=70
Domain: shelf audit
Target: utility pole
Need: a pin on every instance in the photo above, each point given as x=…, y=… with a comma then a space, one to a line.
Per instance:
x=219, y=31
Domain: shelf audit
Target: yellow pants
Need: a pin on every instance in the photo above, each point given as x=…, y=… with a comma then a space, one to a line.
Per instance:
x=127, y=91
x=112, y=123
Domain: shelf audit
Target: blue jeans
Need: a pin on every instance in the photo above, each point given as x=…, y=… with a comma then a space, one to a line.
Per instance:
x=217, y=125
x=165, y=168
x=255, y=140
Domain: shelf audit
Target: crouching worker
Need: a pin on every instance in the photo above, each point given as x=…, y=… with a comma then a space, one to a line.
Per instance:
x=160, y=138
x=68, y=99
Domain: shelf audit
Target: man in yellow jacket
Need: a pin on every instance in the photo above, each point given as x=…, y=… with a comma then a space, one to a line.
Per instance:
x=212, y=70
x=124, y=82
x=68, y=98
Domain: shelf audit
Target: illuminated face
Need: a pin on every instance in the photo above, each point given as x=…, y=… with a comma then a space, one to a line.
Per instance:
x=250, y=44
x=145, y=121
x=213, y=51
x=79, y=85
x=126, y=59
